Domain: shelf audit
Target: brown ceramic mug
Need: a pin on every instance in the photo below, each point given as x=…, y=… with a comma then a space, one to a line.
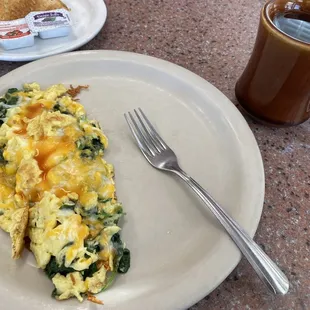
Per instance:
x=275, y=86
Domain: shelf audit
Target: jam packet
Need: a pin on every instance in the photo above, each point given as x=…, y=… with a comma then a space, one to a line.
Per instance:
x=50, y=24
x=15, y=34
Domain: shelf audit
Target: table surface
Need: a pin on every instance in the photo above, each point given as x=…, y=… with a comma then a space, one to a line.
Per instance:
x=214, y=39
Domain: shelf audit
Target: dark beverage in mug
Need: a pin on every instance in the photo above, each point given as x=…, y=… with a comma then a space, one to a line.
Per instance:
x=294, y=24
x=275, y=86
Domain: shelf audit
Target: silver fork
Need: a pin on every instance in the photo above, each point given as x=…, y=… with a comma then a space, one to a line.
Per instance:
x=160, y=156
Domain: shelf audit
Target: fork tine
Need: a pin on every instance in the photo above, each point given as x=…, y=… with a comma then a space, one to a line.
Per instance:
x=136, y=132
x=153, y=132
x=147, y=134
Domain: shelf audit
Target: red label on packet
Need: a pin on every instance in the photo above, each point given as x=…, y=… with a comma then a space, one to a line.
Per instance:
x=15, y=34
x=14, y=29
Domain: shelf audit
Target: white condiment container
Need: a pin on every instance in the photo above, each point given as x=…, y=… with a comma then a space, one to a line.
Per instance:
x=50, y=24
x=15, y=34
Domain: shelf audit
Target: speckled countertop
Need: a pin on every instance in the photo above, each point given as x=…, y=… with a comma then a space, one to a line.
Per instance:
x=214, y=39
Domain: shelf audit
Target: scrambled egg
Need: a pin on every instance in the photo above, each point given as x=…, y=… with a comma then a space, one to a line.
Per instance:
x=58, y=191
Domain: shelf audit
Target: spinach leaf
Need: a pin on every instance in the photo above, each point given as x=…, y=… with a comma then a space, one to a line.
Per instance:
x=118, y=247
x=81, y=143
x=90, y=147
x=112, y=219
x=117, y=243
x=12, y=90
x=92, y=246
x=12, y=100
x=61, y=109
x=2, y=160
x=90, y=271
x=68, y=244
x=93, y=212
x=104, y=200
x=54, y=293
x=102, y=214
x=3, y=111
x=52, y=268
x=124, y=263
x=110, y=279
x=122, y=258
x=87, y=154
x=69, y=205
x=97, y=145
x=1, y=212
x=121, y=261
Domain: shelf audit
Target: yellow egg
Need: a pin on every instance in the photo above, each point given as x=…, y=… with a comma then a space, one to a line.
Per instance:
x=56, y=188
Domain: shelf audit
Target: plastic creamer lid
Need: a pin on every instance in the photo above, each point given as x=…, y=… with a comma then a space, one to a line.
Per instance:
x=14, y=29
x=47, y=20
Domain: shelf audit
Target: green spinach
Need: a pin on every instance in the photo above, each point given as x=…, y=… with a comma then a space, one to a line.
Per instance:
x=54, y=293
x=9, y=98
x=110, y=279
x=111, y=220
x=87, y=273
x=69, y=205
x=68, y=244
x=2, y=160
x=104, y=200
x=92, y=246
x=90, y=147
x=52, y=268
x=12, y=100
x=12, y=90
x=93, y=212
x=3, y=111
x=124, y=263
x=61, y=109
x=122, y=258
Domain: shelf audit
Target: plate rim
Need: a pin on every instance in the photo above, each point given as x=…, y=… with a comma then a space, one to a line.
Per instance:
x=101, y=17
x=166, y=66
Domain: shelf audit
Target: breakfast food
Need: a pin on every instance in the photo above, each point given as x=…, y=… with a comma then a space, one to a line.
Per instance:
x=15, y=9
x=49, y=24
x=22, y=20
x=15, y=34
x=57, y=191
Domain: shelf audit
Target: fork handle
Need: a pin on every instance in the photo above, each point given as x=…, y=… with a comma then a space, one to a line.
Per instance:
x=265, y=268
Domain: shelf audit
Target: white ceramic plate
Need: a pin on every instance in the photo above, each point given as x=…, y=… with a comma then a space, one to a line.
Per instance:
x=88, y=17
x=179, y=252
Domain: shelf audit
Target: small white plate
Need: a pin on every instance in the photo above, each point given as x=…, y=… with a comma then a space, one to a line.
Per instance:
x=179, y=252
x=88, y=17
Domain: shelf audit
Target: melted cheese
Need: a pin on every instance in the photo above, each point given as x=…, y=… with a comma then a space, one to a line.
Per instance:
x=44, y=168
